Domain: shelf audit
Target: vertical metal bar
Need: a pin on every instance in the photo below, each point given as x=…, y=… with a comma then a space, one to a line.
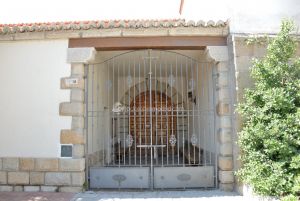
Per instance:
x=155, y=102
x=151, y=140
x=134, y=110
x=106, y=85
x=202, y=113
x=167, y=113
x=86, y=99
x=124, y=112
x=140, y=113
x=193, y=91
x=199, y=113
x=172, y=126
x=145, y=111
x=97, y=110
x=177, y=108
x=118, y=117
x=188, y=109
x=127, y=110
x=182, y=114
x=161, y=113
x=113, y=114
x=103, y=115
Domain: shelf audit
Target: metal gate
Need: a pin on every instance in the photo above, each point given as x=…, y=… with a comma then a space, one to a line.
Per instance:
x=151, y=121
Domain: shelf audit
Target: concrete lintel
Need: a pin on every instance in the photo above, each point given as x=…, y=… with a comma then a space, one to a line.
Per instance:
x=81, y=55
x=217, y=53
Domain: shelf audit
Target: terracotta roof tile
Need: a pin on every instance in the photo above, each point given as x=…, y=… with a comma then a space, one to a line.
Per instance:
x=104, y=24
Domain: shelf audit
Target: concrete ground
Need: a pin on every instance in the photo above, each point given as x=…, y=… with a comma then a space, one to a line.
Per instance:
x=210, y=195
x=39, y=196
x=189, y=195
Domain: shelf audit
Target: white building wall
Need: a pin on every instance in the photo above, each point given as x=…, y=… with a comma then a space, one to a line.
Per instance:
x=248, y=16
x=30, y=73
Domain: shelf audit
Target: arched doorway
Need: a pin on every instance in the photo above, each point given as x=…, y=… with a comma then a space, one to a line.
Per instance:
x=153, y=118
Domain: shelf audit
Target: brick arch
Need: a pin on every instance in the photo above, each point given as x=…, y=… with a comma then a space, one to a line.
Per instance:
x=160, y=86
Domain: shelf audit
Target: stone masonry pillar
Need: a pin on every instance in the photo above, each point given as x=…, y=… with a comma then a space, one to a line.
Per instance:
x=76, y=136
x=219, y=55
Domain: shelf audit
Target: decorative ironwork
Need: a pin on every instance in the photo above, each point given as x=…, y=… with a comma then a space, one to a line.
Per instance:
x=129, y=140
x=172, y=140
x=191, y=84
x=184, y=177
x=129, y=80
x=118, y=108
x=119, y=177
x=147, y=118
x=171, y=80
x=194, y=140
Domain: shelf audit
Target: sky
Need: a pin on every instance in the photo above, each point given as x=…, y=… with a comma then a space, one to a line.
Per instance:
x=17, y=11
x=250, y=16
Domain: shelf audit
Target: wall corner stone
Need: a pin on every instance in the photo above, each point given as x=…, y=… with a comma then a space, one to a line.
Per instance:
x=71, y=109
x=81, y=55
x=220, y=56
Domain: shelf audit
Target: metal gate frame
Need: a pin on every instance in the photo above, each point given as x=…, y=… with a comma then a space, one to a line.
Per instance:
x=184, y=177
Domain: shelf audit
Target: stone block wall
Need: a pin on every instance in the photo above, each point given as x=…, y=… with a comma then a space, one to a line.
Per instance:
x=241, y=56
x=224, y=107
x=42, y=174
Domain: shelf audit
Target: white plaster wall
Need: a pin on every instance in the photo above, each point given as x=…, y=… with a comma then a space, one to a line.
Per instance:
x=246, y=16
x=30, y=75
x=262, y=16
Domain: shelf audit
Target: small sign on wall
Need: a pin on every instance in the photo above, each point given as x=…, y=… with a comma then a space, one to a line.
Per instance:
x=66, y=151
x=71, y=81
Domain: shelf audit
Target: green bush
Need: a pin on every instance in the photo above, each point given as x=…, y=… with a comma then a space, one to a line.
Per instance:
x=290, y=198
x=270, y=138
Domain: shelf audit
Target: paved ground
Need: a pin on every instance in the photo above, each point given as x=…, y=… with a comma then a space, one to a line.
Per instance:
x=212, y=195
x=43, y=196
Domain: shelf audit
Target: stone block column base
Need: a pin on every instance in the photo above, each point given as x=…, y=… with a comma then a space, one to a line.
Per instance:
x=219, y=55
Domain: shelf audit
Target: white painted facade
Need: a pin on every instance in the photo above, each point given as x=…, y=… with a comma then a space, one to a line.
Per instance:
x=245, y=17
x=30, y=73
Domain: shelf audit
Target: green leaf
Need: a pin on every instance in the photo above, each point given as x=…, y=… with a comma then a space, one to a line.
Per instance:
x=270, y=137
